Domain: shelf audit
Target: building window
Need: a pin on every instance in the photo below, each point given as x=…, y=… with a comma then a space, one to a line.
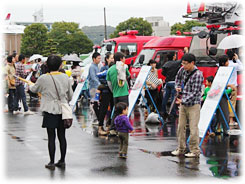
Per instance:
x=156, y=23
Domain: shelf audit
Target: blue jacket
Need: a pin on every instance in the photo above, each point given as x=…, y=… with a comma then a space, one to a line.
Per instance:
x=92, y=76
x=122, y=124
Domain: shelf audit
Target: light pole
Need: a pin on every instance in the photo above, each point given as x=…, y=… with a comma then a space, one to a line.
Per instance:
x=105, y=24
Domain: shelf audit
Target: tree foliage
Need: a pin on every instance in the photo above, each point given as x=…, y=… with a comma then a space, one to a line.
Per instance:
x=34, y=39
x=186, y=27
x=70, y=38
x=144, y=27
x=50, y=48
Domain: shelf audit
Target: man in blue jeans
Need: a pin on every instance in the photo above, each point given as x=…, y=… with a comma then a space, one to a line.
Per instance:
x=169, y=70
x=20, y=90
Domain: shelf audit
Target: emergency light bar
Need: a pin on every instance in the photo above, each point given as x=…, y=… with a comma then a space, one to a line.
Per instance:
x=130, y=32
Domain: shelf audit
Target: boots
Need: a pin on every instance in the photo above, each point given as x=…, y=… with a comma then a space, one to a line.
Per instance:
x=101, y=131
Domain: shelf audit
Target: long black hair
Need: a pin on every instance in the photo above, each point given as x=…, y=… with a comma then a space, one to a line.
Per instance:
x=107, y=56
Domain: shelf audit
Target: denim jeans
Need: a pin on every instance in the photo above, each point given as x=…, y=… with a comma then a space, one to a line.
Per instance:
x=20, y=94
x=169, y=91
x=11, y=100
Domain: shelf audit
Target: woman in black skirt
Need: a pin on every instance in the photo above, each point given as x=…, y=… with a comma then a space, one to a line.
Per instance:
x=52, y=118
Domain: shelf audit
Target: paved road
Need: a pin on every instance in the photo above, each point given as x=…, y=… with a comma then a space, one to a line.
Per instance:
x=92, y=157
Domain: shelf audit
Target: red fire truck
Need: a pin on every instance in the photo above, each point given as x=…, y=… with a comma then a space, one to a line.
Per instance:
x=157, y=49
x=128, y=42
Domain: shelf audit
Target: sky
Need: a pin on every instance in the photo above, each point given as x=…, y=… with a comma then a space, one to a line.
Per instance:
x=91, y=13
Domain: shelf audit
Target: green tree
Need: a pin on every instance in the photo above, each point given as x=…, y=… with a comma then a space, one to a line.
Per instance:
x=139, y=24
x=70, y=38
x=50, y=47
x=34, y=39
x=186, y=27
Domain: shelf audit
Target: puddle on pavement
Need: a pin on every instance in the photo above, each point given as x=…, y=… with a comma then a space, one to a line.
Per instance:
x=222, y=157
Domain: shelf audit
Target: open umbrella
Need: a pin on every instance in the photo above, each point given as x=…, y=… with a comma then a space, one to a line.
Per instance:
x=44, y=59
x=35, y=56
x=65, y=57
x=232, y=41
x=71, y=57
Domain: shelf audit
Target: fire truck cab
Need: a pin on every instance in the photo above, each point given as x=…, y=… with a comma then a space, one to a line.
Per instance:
x=157, y=49
x=128, y=43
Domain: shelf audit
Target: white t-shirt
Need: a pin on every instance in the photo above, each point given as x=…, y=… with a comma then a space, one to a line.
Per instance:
x=238, y=66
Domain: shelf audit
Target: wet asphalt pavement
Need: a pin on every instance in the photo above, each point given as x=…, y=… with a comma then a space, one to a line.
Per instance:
x=92, y=157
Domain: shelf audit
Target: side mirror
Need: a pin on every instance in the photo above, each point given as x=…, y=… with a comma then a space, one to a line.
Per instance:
x=212, y=51
x=132, y=62
x=213, y=38
x=202, y=34
x=141, y=59
x=109, y=47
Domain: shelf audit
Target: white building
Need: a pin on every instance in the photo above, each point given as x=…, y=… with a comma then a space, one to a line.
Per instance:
x=159, y=26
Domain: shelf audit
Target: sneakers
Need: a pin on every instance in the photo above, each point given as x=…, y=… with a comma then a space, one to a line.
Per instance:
x=192, y=155
x=17, y=112
x=28, y=112
x=112, y=133
x=177, y=152
x=101, y=131
x=124, y=156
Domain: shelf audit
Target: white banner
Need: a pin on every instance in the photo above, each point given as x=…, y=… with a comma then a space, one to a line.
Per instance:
x=79, y=87
x=214, y=96
x=138, y=85
x=76, y=93
x=28, y=78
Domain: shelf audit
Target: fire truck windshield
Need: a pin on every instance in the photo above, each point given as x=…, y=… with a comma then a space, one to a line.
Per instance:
x=198, y=48
x=148, y=55
x=103, y=50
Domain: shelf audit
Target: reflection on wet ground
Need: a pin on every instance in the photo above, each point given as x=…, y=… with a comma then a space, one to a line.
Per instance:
x=221, y=155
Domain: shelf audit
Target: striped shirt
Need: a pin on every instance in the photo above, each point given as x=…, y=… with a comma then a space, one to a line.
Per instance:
x=192, y=91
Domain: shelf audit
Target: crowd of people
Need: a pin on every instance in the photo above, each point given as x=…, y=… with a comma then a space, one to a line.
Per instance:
x=109, y=91
x=182, y=77
x=14, y=86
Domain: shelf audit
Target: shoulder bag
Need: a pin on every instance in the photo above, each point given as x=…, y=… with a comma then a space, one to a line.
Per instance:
x=65, y=108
